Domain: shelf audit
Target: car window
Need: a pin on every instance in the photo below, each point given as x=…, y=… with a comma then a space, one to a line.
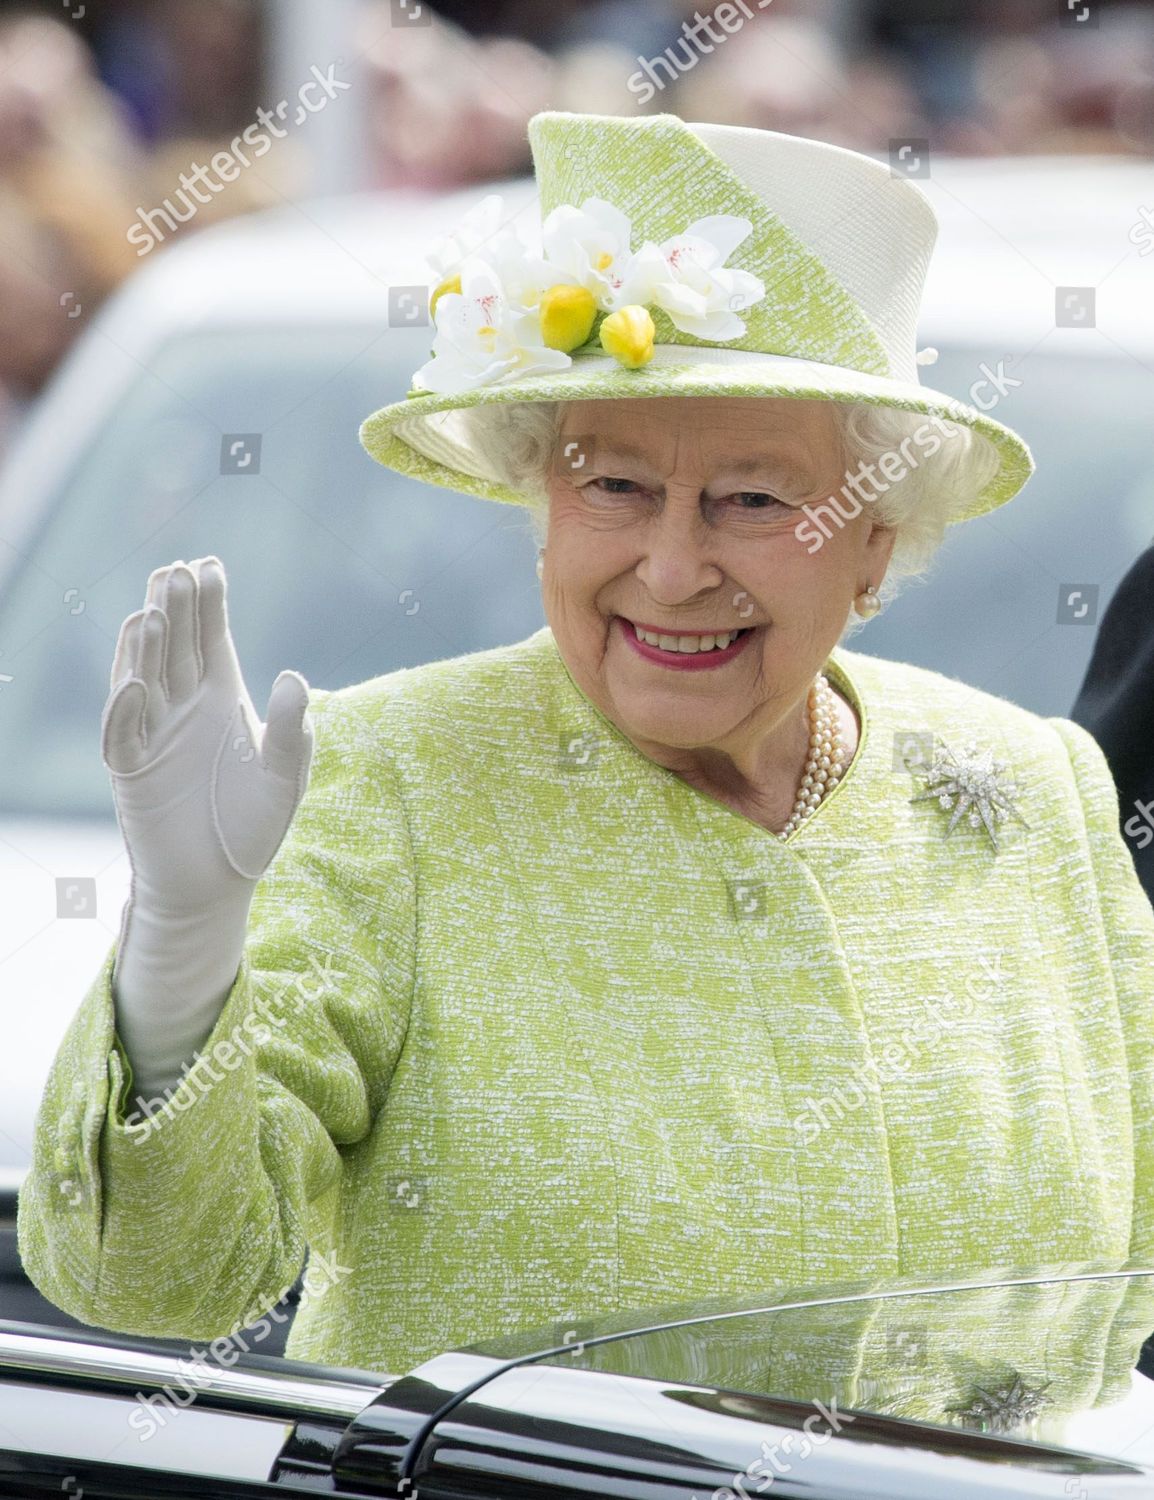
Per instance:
x=337, y=567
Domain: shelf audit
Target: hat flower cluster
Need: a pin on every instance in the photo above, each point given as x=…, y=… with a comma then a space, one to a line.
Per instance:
x=505, y=309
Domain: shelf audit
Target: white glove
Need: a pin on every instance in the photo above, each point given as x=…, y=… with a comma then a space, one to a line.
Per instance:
x=204, y=796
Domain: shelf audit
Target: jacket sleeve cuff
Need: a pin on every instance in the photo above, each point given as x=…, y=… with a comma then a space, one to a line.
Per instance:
x=175, y=1269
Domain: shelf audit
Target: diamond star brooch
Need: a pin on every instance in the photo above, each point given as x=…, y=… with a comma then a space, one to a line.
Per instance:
x=972, y=785
x=1005, y=1407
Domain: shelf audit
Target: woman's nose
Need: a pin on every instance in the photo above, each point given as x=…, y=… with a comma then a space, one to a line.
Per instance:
x=677, y=554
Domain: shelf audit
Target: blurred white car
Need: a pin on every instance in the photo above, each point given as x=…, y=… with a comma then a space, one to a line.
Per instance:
x=213, y=406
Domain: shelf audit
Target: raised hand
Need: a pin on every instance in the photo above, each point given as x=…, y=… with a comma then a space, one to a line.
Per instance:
x=204, y=791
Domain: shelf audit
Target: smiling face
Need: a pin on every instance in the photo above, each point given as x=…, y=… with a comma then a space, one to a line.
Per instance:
x=683, y=520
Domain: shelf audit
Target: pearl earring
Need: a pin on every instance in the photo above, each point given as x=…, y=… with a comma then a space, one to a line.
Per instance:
x=540, y=562
x=867, y=603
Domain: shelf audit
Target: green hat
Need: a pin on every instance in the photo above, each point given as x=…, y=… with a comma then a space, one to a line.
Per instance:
x=679, y=260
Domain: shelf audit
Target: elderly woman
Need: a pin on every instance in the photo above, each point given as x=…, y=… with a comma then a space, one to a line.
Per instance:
x=672, y=952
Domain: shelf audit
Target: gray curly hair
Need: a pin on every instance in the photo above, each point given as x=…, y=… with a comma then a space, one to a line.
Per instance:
x=518, y=439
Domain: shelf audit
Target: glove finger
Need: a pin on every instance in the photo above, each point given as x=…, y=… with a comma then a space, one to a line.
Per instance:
x=157, y=585
x=286, y=749
x=157, y=582
x=122, y=727
x=128, y=640
x=127, y=645
x=217, y=651
x=150, y=666
x=181, y=667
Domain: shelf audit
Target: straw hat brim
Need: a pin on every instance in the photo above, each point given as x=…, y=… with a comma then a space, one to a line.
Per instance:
x=418, y=436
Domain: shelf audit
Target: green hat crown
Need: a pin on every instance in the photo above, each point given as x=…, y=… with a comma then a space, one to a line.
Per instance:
x=817, y=211
x=836, y=244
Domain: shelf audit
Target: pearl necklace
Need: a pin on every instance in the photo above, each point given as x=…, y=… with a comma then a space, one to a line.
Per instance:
x=824, y=766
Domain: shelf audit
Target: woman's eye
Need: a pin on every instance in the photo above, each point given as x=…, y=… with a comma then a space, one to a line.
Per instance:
x=759, y=499
x=611, y=484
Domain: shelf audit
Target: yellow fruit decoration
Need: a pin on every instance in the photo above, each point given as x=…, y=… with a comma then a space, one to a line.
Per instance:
x=628, y=335
x=567, y=314
x=450, y=284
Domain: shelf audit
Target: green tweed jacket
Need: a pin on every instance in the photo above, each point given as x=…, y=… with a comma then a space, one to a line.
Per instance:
x=529, y=1030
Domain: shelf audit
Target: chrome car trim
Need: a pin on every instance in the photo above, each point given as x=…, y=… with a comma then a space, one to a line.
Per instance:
x=84, y=1429
x=559, y=1432
x=76, y=1359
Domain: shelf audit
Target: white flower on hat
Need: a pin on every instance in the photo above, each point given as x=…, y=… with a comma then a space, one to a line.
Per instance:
x=482, y=233
x=590, y=247
x=483, y=336
x=701, y=295
x=502, y=309
x=477, y=228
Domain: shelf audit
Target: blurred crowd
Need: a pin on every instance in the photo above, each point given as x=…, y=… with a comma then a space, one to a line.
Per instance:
x=102, y=106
